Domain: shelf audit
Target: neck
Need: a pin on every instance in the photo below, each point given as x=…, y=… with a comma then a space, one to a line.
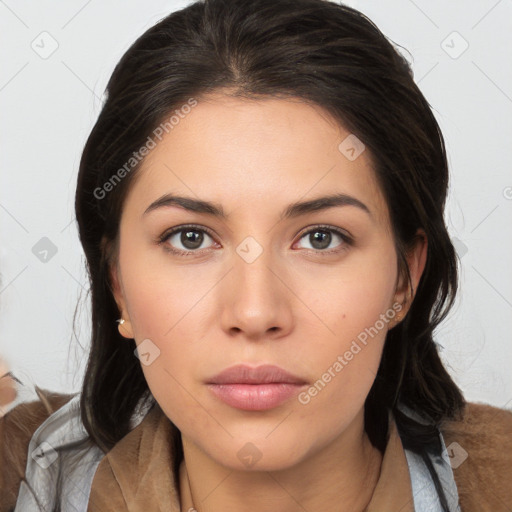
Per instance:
x=339, y=477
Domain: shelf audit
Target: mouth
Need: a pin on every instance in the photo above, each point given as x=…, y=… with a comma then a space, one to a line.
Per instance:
x=255, y=389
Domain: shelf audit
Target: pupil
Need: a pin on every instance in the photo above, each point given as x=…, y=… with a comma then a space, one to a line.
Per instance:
x=324, y=239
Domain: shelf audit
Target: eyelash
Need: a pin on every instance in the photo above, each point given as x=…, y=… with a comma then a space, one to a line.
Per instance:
x=348, y=241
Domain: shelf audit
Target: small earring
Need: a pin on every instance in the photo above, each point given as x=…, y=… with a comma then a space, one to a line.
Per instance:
x=120, y=321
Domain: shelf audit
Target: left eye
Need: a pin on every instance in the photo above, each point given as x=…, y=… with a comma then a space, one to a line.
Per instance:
x=320, y=238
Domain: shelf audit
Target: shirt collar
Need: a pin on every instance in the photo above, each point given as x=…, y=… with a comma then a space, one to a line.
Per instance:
x=140, y=472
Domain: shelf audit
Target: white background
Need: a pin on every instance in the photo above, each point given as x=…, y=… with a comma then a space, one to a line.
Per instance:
x=48, y=107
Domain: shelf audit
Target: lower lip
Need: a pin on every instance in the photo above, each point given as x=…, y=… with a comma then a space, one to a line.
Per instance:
x=255, y=397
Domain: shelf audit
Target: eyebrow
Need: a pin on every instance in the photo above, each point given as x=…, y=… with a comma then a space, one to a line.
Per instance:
x=293, y=210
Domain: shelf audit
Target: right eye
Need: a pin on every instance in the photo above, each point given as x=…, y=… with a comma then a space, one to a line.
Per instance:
x=190, y=237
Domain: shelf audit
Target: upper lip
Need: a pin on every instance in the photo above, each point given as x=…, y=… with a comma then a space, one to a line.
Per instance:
x=264, y=374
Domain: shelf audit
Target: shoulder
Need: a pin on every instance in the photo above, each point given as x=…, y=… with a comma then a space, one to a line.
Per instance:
x=16, y=430
x=140, y=472
x=479, y=446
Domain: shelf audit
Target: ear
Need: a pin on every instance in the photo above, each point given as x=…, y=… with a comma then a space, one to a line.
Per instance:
x=416, y=258
x=125, y=329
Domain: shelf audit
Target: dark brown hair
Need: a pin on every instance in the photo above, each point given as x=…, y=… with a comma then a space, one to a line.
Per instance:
x=320, y=52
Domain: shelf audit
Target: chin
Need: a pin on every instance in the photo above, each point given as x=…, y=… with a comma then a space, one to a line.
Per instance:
x=253, y=454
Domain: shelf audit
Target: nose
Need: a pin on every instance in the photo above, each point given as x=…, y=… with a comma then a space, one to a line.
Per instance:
x=257, y=300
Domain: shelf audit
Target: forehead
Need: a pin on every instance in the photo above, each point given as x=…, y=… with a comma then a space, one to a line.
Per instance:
x=238, y=152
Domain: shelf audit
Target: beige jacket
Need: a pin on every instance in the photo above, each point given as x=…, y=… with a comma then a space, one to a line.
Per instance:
x=136, y=474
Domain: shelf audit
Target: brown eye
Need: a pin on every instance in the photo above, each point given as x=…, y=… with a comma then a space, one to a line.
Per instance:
x=185, y=239
x=321, y=238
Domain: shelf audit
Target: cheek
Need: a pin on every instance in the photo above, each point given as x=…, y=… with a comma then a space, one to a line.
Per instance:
x=356, y=313
x=161, y=295
x=350, y=298
x=166, y=306
x=163, y=329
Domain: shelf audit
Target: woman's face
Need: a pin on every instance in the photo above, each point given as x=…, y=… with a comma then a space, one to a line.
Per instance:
x=259, y=285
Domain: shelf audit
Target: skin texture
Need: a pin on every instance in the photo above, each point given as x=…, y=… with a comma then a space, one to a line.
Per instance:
x=295, y=306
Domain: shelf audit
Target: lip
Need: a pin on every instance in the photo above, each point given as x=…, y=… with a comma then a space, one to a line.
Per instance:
x=255, y=388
